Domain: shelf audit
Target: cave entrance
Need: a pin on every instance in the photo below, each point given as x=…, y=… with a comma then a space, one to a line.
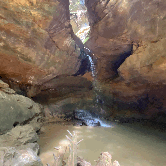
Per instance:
x=79, y=19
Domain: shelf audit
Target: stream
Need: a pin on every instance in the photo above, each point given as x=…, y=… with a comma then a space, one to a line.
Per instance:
x=130, y=144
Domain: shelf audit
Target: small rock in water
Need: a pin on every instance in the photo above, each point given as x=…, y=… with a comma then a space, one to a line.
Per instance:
x=91, y=122
x=116, y=163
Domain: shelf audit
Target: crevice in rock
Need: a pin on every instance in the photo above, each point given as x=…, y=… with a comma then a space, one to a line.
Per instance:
x=85, y=66
x=30, y=119
x=15, y=124
x=121, y=58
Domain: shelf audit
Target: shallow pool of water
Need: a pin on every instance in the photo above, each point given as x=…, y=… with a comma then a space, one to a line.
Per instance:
x=130, y=144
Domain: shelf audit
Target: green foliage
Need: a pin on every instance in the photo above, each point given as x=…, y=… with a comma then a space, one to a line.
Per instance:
x=86, y=40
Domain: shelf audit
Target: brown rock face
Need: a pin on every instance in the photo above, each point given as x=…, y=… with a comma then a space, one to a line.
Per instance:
x=128, y=39
x=35, y=40
x=117, y=26
x=147, y=62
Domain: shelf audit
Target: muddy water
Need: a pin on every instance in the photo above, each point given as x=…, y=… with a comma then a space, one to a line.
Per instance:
x=130, y=144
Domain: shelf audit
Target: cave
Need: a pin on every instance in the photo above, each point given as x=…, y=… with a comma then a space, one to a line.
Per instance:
x=91, y=69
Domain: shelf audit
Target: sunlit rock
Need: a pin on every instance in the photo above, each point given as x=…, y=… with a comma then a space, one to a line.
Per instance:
x=35, y=40
x=24, y=157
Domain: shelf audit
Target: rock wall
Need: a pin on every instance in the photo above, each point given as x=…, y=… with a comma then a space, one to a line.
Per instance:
x=128, y=39
x=119, y=27
x=35, y=41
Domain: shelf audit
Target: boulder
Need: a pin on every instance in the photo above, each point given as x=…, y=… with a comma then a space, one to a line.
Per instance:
x=10, y=156
x=18, y=147
x=20, y=135
x=15, y=109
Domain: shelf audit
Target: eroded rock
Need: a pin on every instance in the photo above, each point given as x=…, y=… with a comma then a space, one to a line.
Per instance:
x=146, y=64
x=19, y=157
x=117, y=26
x=20, y=135
x=36, y=41
x=15, y=109
x=18, y=146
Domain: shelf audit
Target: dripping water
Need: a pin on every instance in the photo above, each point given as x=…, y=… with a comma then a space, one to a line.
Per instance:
x=99, y=102
x=82, y=32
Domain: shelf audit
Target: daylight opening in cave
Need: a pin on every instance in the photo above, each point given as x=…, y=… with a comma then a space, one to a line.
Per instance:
x=79, y=19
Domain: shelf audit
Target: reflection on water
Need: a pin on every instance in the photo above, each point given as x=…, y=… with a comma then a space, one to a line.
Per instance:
x=131, y=145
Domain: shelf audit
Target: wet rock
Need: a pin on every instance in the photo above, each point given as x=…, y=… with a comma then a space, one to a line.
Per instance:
x=81, y=114
x=78, y=123
x=86, y=118
x=90, y=122
x=87, y=122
